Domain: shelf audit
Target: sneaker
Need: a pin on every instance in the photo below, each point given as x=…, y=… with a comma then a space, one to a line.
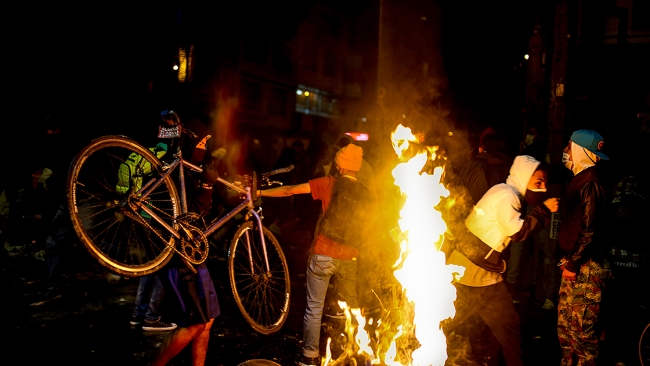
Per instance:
x=136, y=320
x=308, y=361
x=157, y=325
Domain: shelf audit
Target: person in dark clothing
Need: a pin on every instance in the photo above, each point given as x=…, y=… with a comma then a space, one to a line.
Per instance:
x=489, y=167
x=625, y=306
x=50, y=166
x=534, y=144
x=191, y=298
x=585, y=269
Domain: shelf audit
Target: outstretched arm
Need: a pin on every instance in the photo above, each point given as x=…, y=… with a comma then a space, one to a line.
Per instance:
x=286, y=190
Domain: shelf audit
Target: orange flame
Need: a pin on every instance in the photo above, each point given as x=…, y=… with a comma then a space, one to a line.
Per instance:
x=421, y=269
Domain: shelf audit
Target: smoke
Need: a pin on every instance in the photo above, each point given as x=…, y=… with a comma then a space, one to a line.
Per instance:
x=413, y=90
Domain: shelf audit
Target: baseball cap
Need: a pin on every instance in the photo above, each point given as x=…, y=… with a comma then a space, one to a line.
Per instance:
x=590, y=140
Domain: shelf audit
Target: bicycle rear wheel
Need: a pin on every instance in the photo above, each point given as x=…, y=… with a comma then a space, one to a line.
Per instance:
x=103, y=178
x=644, y=346
x=262, y=297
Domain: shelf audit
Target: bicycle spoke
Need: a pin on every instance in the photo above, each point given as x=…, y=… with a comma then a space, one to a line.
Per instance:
x=99, y=183
x=90, y=195
x=261, y=293
x=103, y=182
x=90, y=217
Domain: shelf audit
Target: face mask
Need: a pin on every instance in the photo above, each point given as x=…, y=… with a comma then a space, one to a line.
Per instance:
x=529, y=139
x=566, y=160
x=535, y=196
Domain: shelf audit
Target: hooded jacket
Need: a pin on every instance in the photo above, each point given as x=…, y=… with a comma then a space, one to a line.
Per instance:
x=583, y=212
x=497, y=218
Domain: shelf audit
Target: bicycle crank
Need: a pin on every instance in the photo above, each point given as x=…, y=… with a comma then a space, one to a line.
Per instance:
x=194, y=244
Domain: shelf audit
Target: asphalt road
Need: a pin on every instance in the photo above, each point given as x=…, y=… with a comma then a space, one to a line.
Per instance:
x=89, y=324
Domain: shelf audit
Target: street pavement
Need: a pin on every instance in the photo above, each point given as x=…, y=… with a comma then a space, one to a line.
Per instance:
x=89, y=323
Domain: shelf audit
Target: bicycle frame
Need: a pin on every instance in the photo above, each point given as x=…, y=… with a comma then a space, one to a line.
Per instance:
x=180, y=164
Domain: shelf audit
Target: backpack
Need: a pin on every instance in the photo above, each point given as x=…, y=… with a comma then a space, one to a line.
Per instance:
x=347, y=212
x=132, y=170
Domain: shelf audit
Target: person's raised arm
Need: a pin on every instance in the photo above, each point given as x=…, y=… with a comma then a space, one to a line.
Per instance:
x=285, y=190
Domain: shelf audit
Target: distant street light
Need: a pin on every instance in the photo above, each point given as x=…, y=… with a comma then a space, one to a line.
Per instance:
x=526, y=56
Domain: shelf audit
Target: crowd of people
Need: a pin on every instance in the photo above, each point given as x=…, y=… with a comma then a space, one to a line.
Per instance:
x=578, y=227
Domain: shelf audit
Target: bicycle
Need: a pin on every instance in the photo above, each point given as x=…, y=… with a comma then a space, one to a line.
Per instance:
x=644, y=346
x=127, y=211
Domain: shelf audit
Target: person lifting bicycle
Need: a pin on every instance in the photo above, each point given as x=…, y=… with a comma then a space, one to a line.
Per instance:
x=334, y=250
x=191, y=296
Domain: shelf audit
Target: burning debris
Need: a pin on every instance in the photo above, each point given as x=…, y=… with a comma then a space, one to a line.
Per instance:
x=409, y=333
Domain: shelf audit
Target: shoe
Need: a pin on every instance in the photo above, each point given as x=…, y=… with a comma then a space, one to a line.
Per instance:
x=339, y=315
x=308, y=361
x=136, y=320
x=157, y=325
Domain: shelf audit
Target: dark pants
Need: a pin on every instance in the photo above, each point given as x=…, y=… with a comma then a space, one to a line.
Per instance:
x=57, y=246
x=494, y=305
x=148, y=298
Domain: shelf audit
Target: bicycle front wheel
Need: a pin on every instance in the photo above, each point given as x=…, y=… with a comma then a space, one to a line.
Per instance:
x=261, y=295
x=103, y=181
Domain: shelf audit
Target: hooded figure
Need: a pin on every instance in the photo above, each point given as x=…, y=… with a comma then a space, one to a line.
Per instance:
x=585, y=270
x=495, y=220
x=497, y=217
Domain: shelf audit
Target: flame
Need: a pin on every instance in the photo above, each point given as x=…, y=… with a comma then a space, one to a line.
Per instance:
x=328, y=355
x=421, y=268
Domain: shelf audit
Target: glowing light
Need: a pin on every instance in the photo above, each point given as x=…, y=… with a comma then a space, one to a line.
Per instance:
x=306, y=93
x=182, y=60
x=526, y=56
x=423, y=231
x=299, y=92
x=175, y=67
x=363, y=119
x=450, y=133
x=421, y=270
x=358, y=136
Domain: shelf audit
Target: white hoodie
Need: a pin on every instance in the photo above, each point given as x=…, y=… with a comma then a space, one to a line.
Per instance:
x=497, y=214
x=496, y=217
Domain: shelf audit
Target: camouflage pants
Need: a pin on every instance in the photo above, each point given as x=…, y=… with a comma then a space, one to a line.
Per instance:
x=578, y=325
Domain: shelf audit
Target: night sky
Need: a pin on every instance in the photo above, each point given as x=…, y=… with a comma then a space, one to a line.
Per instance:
x=94, y=63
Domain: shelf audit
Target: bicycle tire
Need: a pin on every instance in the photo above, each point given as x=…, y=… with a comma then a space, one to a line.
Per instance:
x=262, y=299
x=113, y=233
x=644, y=346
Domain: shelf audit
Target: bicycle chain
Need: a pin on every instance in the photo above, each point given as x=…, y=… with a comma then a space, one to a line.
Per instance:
x=187, y=227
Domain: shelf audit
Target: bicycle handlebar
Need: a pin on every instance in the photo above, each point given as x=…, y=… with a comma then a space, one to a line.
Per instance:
x=277, y=171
